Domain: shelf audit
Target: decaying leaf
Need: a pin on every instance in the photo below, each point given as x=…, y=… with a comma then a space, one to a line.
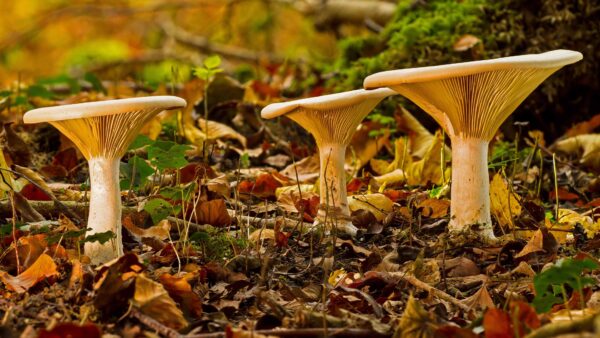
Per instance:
x=378, y=204
x=153, y=300
x=181, y=291
x=480, y=300
x=504, y=204
x=415, y=322
x=159, y=231
x=213, y=212
x=586, y=147
x=43, y=268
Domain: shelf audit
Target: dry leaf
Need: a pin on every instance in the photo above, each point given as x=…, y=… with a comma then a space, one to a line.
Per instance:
x=586, y=147
x=415, y=322
x=378, y=204
x=181, y=291
x=364, y=147
x=542, y=242
x=480, y=300
x=153, y=300
x=213, y=212
x=465, y=43
x=504, y=205
x=159, y=231
x=497, y=324
x=40, y=270
x=429, y=168
x=260, y=235
x=434, y=208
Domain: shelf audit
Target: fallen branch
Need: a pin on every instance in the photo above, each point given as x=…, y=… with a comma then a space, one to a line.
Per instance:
x=433, y=291
x=559, y=328
x=206, y=47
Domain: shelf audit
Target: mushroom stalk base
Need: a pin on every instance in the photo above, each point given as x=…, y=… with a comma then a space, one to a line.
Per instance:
x=333, y=210
x=105, y=209
x=470, y=194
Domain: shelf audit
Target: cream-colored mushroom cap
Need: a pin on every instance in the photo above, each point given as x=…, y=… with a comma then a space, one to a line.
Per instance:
x=104, y=128
x=102, y=108
x=553, y=59
x=325, y=102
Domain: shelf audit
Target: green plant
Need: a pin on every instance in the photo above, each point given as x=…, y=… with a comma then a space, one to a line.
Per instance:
x=550, y=285
x=210, y=67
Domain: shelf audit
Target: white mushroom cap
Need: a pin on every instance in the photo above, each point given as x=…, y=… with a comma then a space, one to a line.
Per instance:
x=553, y=59
x=325, y=102
x=104, y=128
x=102, y=108
x=474, y=98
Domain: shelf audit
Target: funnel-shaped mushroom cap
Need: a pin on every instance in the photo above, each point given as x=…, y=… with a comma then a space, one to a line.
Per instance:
x=330, y=118
x=474, y=98
x=104, y=128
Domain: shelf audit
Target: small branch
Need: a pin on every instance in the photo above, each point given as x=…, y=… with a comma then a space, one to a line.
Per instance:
x=154, y=324
x=433, y=291
x=206, y=47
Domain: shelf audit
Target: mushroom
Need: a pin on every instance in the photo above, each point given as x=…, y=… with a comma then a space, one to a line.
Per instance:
x=332, y=120
x=103, y=131
x=470, y=101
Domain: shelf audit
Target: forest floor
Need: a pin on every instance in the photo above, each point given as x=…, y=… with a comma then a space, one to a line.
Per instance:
x=219, y=240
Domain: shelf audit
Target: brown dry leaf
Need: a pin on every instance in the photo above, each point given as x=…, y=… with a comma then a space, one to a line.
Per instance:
x=363, y=147
x=219, y=185
x=378, y=204
x=213, y=212
x=29, y=248
x=114, y=283
x=542, y=242
x=76, y=273
x=497, y=324
x=434, y=208
x=260, y=235
x=465, y=43
x=586, y=147
x=218, y=130
x=181, y=291
x=34, y=177
x=40, y=270
x=460, y=267
x=159, y=231
x=585, y=127
x=504, y=205
x=429, y=168
x=153, y=300
x=288, y=197
x=25, y=209
x=480, y=300
x=306, y=170
x=415, y=322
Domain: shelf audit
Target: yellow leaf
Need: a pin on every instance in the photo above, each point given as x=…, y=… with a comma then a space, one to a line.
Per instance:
x=429, y=168
x=336, y=276
x=586, y=146
x=153, y=300
x=261, y=235
x=415, y=322
x=504, y=205
x=378, y=204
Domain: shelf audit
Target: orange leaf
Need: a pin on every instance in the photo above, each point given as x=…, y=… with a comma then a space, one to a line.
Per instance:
x=41, y=269
x=72, y=330
x=496, y=324
x=181, y=291
x=213, y=212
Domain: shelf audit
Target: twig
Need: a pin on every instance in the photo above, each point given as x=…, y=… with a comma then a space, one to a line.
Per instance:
x=154, y=324
x=436, y=292
x=559, y=328
x=304, y=333
x=205, y=46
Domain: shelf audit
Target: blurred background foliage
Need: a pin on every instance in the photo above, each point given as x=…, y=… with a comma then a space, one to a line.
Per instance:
x=326, y=45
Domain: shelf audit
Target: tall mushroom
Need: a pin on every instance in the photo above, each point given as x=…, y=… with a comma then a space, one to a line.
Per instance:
x=102, y=131
x=470, y=101
x=332, y=120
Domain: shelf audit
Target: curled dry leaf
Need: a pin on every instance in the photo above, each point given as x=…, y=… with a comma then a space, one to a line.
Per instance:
x=416, y=322
x=114, y=283
x=159, y=231
x=504, y=204
x=434, y=208
x=43, y=268
x=153, y=300
x=429, y=168
x=586, y=147
x=378, y=204
x=364, y=147
x=305, y=170
x=181, y=291
x=480, y=300
x=213, y=212
x=542, y=242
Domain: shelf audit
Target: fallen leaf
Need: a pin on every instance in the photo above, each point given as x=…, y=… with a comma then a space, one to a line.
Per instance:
x=153, y=300
x=497, y=324
x=378, y=204
x=480, y=300
x=586, y=147
x=72, y=330
x=181, y=291
x=504, y=205
x=264, y=186
x=434, y=208
x=213, y=212
x=43, y=268
x=415, y=322
x=159, y=231
x=542, y=242
x=465, y=43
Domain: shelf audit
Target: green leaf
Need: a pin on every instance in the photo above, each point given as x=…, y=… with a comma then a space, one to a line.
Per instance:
x=200, y=237
x=96, y=83
x=212, y=62
x=67, y=235
x=179, y=193
x=39, y=91
x=135, y=172
x=167, y=155
x=202, y=73
x=548, y=284
x=245, y=161
x=101, y=237
x=140, y=141
x=158, y=209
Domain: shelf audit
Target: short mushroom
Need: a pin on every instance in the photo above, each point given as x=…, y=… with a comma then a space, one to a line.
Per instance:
x=470, y=101
x=103, y=131
x=332, y=120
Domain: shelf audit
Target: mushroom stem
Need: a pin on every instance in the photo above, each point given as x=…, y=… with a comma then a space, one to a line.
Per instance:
x=105, y=209
x=333, y=210
x=470, y=186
